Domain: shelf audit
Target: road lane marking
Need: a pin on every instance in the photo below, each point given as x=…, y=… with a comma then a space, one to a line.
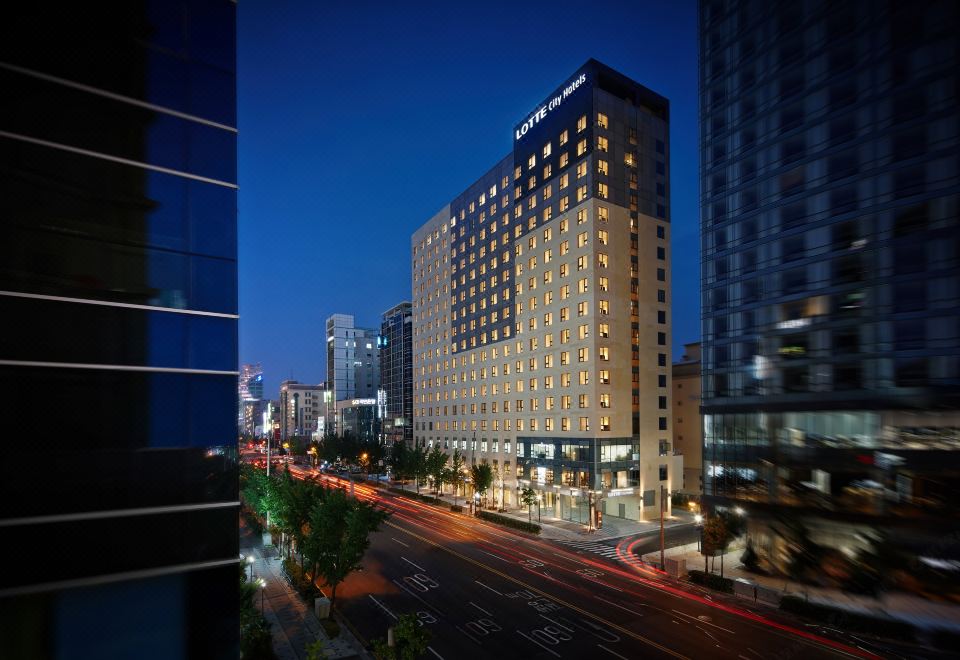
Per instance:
x=382, y=606
x=548, y=650
x=567, y=628
x=493, y=555
x=429, y=606
x=625, y=609
x=611, y=652
x=530, y=587
x=400, y=542
x=690, y=616
x=480, y=608
x=707, y=633
x=472, y=638
x=414, y=565
x=486, y=587
x=430, y=648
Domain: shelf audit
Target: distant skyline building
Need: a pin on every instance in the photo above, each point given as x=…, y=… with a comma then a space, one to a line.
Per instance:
x=830, y=189
x=687, y=422
x=301, y=408
x=396, y=372
x=541, y=298
x=118, y=291
x=353, y=368
x=249, y=389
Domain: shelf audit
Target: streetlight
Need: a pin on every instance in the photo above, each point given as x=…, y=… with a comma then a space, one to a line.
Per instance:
x=698, y=519
x=250, y=559
x=538, y=507
x=263, y=587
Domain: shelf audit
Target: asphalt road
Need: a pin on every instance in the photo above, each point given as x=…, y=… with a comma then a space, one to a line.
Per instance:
x=483, y=591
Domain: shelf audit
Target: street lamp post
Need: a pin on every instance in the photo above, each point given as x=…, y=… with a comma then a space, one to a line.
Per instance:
x=538, y=507
x=263, y=587
x=698, y=519
x=250, y=561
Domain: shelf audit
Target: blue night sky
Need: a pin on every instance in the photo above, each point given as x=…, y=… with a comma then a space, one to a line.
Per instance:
x=359, y=120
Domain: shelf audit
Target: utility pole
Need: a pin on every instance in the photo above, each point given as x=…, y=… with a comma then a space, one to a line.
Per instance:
x=663, y=492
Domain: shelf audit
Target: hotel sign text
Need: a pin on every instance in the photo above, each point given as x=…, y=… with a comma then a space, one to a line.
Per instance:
x=553, y=103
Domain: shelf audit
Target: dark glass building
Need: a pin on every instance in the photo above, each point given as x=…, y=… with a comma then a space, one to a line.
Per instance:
x=396, y=373
x=118, y=350
x=830, y=247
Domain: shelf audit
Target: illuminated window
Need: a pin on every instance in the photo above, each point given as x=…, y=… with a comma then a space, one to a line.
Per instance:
x=581, y=239
x=604, y=423
x=564, y=314
x=602, y=190
x=564, y=270
x=602, y=120
x=602, y=167
x=516, y=175
x=581, y=193
x=582, y=309
x=564, y=180
x=603, y=306
x=602, y=213
x=603, y=353
x=583, y=285
x=547, y=171
x=604, y=377
x=581, y=147
x=602, y=236
x=564, y=292
x=581, y=170
x=601, y=260
x=602, y=143
x=629, y=159
x=532, y=161
x=581, y=263
x=584, y=332
x=564, y=159
x=564, y=225
x=582, y=124
x=565, y=380
x=531, y=183
x=564, y=137
x=565, y=336
x=564, y=203
x=564, y=358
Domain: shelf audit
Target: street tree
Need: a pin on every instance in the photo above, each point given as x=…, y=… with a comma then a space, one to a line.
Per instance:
x=400, y=459
x=528, y=497
x=410, y=640
x=340, y=529
x=418, y=466
x=455, y=476
x=716, y=538
x=437, y=467
x=482, y=475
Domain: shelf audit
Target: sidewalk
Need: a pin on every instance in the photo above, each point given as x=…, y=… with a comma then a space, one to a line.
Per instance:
x=908, y=608
x=292, y=621
x=557, y=529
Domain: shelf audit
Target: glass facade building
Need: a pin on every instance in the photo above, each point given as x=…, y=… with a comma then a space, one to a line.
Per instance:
x=118, y=351
x=540, y=306
x=830, y=181
x=396, y=373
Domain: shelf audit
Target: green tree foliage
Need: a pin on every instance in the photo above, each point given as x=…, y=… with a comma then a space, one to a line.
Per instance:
x=419, y=467
x=482, y=475
x=455, y=474
x=339, y=536
x=410, y=640
x=528, y=497
x=716, y=538
x=256, y=641
x=400, y=459
x=437, y=467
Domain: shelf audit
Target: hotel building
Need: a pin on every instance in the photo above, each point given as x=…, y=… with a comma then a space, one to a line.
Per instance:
x=831, y=340
x=396, y=373
x=541, y=301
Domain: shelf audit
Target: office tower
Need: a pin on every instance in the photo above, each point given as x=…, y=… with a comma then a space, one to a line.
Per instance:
x=301, y=408
x=540, y=306
x=831, y=349
x=353, y=370
x=249, y=390
x=687, y=423
x=396, y=373
x=118, y=290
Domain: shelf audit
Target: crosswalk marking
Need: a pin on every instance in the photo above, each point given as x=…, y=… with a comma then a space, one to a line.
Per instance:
x=604, y=550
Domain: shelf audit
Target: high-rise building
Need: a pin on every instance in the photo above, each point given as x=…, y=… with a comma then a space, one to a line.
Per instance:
x=249, y=391
x=396, y=373
x=118, y=290
x=302, y=407
x=831, y=339
x=353, y=368
x=540, y=306
x=687, y=423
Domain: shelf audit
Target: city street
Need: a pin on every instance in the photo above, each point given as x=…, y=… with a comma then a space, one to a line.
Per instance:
x=485, y=591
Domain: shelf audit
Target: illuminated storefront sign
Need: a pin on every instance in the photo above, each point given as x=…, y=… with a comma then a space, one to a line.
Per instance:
x=364, y=402
x=550, y=105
